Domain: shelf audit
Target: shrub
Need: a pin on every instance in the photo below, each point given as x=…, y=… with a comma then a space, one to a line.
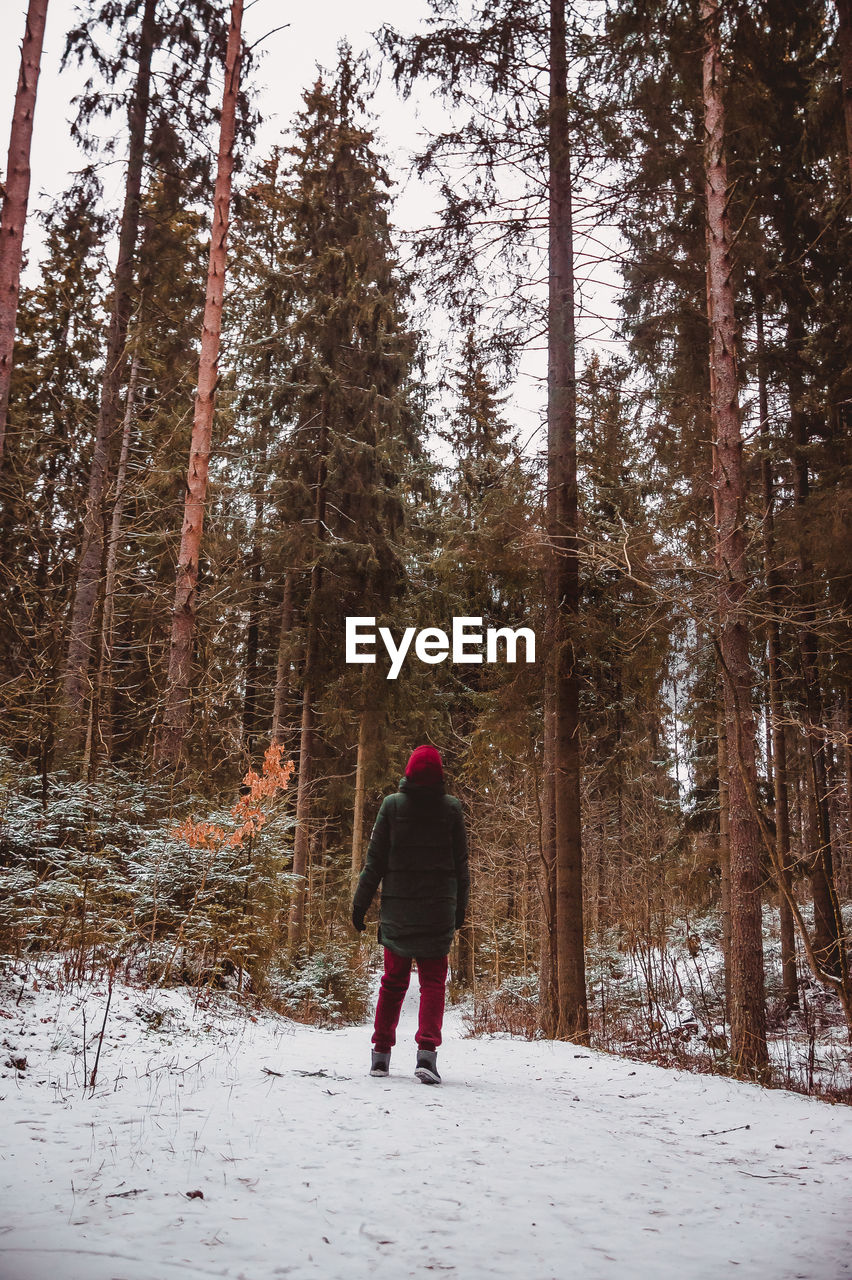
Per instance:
x=118, y=870
x=511, y=1008
x=328, y=988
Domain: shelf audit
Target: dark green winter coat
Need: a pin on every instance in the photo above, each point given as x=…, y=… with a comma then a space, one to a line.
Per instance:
x=418, y=853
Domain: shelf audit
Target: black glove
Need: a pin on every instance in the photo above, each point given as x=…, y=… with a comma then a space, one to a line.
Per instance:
x=459, y=919
x=358, y=920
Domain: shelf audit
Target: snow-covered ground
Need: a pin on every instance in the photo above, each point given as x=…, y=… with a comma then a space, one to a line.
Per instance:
x=537, y=1160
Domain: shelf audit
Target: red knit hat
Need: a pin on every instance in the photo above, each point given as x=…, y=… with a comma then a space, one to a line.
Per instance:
x=425, y=766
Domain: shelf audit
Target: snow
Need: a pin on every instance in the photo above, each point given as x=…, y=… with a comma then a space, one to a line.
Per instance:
x=533, y=1159
x=680, y=987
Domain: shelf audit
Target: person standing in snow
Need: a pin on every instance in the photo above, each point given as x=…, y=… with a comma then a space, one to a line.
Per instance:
x=418, y=853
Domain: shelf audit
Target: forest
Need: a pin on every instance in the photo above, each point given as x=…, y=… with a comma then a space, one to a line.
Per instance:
x=240, y=405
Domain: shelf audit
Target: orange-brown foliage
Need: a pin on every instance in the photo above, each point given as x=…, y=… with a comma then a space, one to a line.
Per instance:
x=249, y=813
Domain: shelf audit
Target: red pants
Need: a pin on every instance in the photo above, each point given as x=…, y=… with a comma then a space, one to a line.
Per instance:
x=432, y=971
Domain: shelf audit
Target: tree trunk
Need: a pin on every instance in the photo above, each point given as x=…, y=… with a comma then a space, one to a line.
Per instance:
x=100, y=721
x=251, y=728
x=847, y=771
x=724, y=844
x=358, y=813
x=548, y=965
x=464, y=970
x=82, y=624
x=828, y=934
x=282, y=672
x=828, y=926
x=296, y=923
x=562, y=480
x=782, y=833
x=834, y=776
x=748, y=1011
x=177, y=699
x=844, y=42
x=16, y=198
x=548, y=961
x=548, y=968
x=251, y=722
x=778, y=755
x=295, y=929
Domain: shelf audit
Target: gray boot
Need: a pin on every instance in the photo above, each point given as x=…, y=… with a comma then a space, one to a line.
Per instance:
x=379, y=1064
x=427, y=1066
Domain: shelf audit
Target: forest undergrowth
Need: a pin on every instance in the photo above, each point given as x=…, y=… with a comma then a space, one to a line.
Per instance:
x=664, y=1002
x=103, y=883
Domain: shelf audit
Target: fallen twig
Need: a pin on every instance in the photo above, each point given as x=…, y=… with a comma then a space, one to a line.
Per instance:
x=179, y=1071
x=714, y=1133
x=94, y=1075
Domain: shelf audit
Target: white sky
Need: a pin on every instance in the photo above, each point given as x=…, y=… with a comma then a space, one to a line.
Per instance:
x=288, y=66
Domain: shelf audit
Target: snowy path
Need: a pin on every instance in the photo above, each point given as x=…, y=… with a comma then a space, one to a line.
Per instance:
x=540, y=1161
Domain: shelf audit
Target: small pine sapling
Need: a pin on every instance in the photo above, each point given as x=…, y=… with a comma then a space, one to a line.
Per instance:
x=249, y=814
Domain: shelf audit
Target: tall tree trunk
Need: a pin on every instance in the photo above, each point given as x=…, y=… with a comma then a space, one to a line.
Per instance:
x=251, y=725
x=464, y=972
x=778, y=755
x=722, y=755
x=844, y=41
x=724, y=842
x=782, y=831
x=177, y=699
x=251, y=722
x=296, y=924
x=834, y=770
x=360, y=791
x=82, y=624
x=549, y=963
x=748, y=1010
x=282, y=671
x=828, y=925
x=847, y=771
x=100, y=720
x=464, y=969
x=250, y=728
x=562, y=480
x=16, y=197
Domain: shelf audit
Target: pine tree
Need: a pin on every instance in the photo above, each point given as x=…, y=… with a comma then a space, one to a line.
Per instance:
x=844, y=42
x=790, y=246
x=177, y=695
x=478, y=563
x=629, y=641
x=80, y=639
x=748, y=1011
x=163, y=339
x=350, y=377
x=190, y=36
x=51, y=412
x=16, y=196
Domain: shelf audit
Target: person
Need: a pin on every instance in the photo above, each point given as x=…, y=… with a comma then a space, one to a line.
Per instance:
x=418, y=854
